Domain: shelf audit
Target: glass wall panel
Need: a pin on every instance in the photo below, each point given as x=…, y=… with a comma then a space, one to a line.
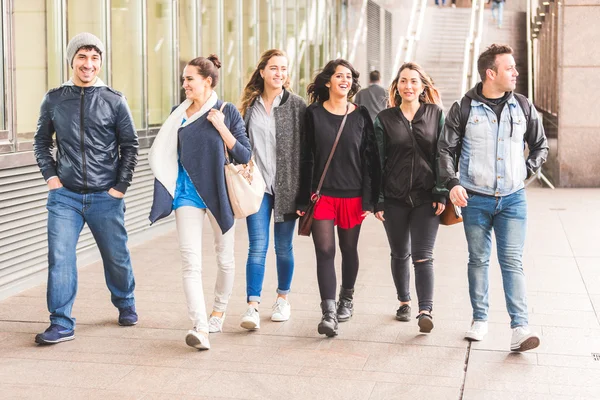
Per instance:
x=2, y=87
x=277, y=23
x=87, y=16
x=31, y=69
x=291, y=42
x=304, y=73
x=264, y=26
x=127, y=69
x=231, y=81
x=161, y=74
x=211, y=34
x=188, y=37
x=250, y=51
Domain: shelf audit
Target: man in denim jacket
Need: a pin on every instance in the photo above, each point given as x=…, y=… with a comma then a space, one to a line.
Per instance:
x=490, y=186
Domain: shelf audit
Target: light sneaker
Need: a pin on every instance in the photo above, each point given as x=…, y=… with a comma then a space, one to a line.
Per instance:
x=478, y=330
x=250, y=319
x=281, y=310
x=215, y=324
x=197, y=340
x=523, y=339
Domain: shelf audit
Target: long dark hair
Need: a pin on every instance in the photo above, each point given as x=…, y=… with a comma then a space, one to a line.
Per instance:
x=430, y=93
x=256, y=84
x=317, y=91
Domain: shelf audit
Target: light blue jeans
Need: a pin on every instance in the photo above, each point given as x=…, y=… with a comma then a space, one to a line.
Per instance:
x=497, y=11
x=507, y=216
x=258, y=234
x=105, y=215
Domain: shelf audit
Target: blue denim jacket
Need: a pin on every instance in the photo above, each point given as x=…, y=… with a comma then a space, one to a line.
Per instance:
x=492, y=160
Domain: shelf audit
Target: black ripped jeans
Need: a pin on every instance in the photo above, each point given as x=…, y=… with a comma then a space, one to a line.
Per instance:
x=411, y=232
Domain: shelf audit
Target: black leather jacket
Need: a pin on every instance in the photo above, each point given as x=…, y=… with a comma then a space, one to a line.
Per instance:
x=96, y=140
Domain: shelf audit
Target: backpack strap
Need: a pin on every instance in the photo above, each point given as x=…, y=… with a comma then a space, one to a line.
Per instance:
x=465, y=110
x=525, y=106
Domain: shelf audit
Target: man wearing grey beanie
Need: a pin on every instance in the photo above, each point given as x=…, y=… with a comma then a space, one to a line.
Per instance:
x=97, y=152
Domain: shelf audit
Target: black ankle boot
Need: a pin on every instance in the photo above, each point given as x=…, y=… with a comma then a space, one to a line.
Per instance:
x=345, y=307
x=329, y=322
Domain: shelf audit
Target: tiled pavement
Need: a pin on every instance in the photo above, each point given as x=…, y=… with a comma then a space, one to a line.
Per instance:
x=374, y=357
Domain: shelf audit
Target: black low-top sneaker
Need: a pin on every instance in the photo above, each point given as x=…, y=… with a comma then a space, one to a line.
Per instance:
x=403, y=313
x=425, y=322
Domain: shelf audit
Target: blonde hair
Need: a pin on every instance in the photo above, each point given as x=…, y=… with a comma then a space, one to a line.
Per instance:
x=430, y=93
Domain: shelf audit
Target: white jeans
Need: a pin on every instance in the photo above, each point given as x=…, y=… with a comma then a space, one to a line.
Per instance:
x=190, y=221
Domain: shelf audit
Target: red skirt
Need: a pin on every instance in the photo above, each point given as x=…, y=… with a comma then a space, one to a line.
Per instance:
x=345, y=212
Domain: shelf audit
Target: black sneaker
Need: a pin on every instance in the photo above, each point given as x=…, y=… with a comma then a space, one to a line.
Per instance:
x=403, y=313
x=425, y=322
x=55, y=334
x=128, y=316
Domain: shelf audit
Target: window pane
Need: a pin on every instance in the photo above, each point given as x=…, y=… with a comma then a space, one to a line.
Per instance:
x=160, y=61
x=2, y=88
x=211, y=29
x=230, y=72
x=303, y=48
x=291, y=40
x=31, y=71
x=249, y=47
x=264, y=28
x=87, y=16
x=188, y=38
x=276, y=12
x=126, y=56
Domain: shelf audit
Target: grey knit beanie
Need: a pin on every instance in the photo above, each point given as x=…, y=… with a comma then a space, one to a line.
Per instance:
x=80, y=40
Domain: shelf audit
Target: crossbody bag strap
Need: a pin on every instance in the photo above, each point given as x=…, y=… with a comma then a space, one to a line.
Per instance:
x=337, y=139
x=412, y=136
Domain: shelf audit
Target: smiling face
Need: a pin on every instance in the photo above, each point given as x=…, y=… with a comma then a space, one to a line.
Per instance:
x=275, y=73
x=504, y=78
x=340, y=83
x=195, y=85
x=410, y=85
x=86, y=67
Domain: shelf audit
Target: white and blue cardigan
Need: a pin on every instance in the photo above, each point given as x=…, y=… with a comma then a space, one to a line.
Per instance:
x=202, y=155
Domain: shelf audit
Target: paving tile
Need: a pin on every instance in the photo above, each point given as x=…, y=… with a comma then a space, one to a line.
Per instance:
x=392, y=391
x=590, y=271
x=163, y=380
x=31, y=391
x=478, y=394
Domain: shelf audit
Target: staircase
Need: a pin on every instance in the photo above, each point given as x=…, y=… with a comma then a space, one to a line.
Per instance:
x=441, y=48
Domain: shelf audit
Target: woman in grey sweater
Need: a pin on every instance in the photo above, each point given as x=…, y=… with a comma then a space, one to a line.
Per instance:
x=274, y=120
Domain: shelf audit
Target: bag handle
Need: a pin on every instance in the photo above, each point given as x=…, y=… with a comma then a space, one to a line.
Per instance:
x=317, y=194
x=227, y=160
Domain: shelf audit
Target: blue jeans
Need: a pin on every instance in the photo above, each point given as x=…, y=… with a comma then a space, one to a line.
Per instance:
x=507, y=216
x=497, y=11
x=258, y=234
x=104, y=214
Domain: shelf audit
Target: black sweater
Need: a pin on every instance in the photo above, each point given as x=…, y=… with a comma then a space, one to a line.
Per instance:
x=354, y=170
x=409, y=175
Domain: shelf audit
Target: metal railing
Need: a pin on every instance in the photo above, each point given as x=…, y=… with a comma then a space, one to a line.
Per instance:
x=407, y=45
x=472, y=45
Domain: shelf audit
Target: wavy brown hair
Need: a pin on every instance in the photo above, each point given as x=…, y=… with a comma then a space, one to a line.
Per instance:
x=317, y=91
x=256, y=84
x=430, y=93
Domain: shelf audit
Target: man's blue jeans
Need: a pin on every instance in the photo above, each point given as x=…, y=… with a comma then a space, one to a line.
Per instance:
x=105, y=216
x=258, y=234
x=497, y=11
x=507, y=216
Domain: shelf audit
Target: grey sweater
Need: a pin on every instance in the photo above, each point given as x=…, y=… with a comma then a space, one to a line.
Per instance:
x=289, y=122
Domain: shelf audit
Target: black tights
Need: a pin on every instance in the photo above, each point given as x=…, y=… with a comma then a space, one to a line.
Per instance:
x=323, y=235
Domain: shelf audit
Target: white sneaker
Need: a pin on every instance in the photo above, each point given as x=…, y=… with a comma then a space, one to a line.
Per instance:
x=523, y=339
x=197, y=340
x=250, y=319
x=281, y=310
x=215, y=324
x=478, y=330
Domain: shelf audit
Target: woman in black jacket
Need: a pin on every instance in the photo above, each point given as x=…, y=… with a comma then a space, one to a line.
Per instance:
x=407, y=135
x=350, y=188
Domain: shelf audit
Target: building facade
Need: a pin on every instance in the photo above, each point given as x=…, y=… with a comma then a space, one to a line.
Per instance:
x=148, y=42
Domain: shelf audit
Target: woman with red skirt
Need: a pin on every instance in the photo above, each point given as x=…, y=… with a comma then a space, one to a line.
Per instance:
x=350, y=187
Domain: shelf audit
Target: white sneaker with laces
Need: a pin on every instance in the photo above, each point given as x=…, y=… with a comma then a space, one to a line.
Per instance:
x=523, y=339
x=197, y=340
x=281, y=310
x=215, y=324
x=250, y=319
x=478, y=330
